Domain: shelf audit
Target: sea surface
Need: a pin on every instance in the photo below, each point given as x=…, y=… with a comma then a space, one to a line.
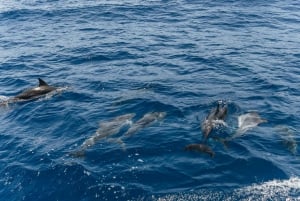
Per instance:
x=117, y=57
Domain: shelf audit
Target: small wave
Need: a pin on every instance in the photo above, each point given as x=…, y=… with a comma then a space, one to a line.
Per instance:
x=271, y=190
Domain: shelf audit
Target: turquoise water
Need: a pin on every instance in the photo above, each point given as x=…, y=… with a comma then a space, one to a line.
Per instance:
x=180, y=57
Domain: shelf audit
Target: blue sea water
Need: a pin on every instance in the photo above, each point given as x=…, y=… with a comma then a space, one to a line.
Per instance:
x=118, y=57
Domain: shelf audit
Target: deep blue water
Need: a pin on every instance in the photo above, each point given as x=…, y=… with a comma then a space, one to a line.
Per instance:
x=118, y=57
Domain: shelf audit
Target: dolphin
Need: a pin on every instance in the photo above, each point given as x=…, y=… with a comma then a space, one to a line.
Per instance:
x=32, y=93
x=288, y=138
x=200, y=148
x=145, y=121
x=246, y=122
x=106, y=129
x=221, y=112
x=36, y=92
x=214, y=118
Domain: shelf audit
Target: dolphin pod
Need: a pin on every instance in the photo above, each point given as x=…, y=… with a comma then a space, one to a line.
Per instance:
x=215, y=118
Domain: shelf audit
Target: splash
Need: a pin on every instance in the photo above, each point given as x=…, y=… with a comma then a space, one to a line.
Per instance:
x=4, y=100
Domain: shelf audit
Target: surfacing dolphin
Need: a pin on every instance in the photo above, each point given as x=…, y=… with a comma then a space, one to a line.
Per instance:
x=36, y=92
x=32, y=93
x=145, y=121
x=215, y=118
x=288, y=138
x=246, y=122
x=106, y=129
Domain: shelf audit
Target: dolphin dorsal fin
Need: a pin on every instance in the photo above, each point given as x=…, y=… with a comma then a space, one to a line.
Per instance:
x=42, y=83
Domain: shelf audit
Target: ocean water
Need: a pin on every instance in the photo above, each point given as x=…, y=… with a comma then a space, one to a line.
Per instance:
x=119, y=57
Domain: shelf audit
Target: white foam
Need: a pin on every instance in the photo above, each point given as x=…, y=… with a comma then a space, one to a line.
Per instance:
x=4, y=98
x=275, y=190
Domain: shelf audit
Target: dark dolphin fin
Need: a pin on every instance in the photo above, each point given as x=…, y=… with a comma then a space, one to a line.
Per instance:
x=200, y=148
x=42, y=83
